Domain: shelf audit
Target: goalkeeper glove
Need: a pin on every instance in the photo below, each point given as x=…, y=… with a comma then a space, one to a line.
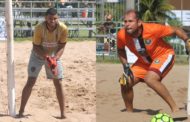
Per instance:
x=52, y=64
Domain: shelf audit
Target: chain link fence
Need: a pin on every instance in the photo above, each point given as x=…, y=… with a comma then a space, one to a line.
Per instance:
x=109, y=19
x=77, y=15
x=106, y=40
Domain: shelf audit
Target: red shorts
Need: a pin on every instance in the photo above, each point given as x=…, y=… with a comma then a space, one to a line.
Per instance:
x=160, y=65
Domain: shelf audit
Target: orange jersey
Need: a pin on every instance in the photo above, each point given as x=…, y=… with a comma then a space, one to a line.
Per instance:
x=152, y=36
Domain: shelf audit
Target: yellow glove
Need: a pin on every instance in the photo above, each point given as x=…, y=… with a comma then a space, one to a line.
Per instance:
x=187, y=46
x=123, y=80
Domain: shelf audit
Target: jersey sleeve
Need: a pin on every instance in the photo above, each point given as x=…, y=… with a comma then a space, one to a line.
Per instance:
x=121, y=39
x=64, y=34
x=162, y=30
x=37, y=37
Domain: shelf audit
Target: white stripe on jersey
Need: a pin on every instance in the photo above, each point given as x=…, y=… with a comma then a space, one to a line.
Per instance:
x=168, y=60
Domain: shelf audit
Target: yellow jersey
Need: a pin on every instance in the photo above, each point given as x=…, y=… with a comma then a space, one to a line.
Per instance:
x=50, y=40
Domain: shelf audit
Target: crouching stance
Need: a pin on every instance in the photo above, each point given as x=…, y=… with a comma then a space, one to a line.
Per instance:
x=155, y=56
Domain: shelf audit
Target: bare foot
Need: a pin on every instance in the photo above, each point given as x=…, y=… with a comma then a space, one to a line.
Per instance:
x=20, y=115
x=62, y=117
x=178, y=113
x=175, y=110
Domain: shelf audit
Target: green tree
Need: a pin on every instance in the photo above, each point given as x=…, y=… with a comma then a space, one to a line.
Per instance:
x=155, y=10
x=175, y=22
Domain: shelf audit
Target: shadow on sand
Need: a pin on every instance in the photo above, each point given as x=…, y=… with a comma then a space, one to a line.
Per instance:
x=148, y=111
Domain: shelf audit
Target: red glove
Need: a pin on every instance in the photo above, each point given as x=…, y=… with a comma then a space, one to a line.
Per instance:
x=52, y=64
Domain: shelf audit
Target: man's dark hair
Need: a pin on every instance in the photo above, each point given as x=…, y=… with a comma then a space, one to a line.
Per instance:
x=133, y=11
x=51, y=11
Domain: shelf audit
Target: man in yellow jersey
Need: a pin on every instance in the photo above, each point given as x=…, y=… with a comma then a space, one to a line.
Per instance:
x=49, y=41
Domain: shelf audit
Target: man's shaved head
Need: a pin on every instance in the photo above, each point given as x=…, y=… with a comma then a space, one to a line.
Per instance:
x=132, y=11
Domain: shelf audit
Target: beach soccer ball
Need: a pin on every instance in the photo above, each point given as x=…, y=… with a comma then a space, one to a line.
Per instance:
x=162, y=117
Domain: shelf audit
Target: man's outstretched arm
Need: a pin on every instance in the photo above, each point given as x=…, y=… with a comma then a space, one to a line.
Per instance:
x=180, y=33
x=183, y=35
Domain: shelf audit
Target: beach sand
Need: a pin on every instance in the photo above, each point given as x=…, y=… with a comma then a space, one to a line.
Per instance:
x=86, y=101
x=79, y=85
x=110, y=105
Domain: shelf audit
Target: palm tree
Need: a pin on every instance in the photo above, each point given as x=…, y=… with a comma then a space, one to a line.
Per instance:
x=155, y=10
x=175, y=22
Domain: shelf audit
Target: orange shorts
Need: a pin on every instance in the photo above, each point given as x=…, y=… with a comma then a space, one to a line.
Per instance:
x=160, y=65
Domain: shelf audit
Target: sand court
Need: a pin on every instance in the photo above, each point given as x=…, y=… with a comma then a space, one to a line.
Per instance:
x=110, y=106
x=79, y=85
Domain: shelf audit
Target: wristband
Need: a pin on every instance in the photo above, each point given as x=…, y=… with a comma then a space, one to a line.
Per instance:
x=126, y=65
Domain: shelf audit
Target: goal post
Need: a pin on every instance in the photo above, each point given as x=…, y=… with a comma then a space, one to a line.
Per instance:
x=10, y=58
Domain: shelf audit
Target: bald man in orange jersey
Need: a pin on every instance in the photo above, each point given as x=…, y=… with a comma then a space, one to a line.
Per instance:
x=155, y=56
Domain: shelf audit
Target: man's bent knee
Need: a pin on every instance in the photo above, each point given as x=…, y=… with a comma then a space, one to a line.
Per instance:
x=151, y=77
x=123, y=89
x=31, y=81
x=125, y=81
